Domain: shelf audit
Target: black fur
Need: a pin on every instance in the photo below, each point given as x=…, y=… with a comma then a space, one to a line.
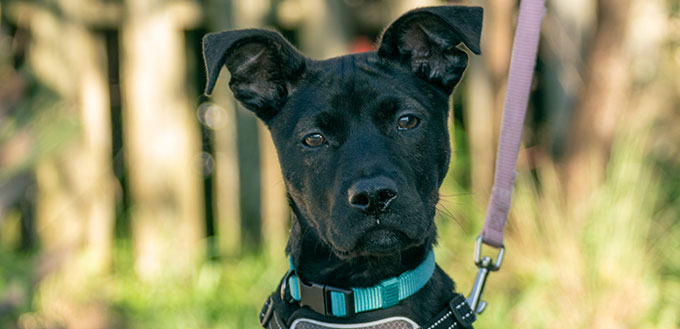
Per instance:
x=363, y=201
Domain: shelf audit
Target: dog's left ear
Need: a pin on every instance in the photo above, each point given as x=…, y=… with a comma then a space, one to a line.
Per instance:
x=425, y=40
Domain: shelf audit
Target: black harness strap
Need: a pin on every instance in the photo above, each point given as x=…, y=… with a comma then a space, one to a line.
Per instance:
x=458, y=314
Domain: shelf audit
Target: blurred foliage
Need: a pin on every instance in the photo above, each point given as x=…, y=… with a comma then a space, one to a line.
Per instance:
x=33, y=125
x=16, y=280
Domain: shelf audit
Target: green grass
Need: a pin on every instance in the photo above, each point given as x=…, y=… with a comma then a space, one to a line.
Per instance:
x=225, y=294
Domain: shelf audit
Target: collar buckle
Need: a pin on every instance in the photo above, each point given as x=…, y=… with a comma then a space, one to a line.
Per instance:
x=323, y=299
x=326, y=300
x=341, y=301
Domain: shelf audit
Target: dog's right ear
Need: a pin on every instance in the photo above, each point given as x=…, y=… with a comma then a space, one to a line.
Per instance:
x=425, y=41
x=264, y=67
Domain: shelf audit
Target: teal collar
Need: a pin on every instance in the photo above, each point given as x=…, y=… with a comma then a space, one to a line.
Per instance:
x=339, y=302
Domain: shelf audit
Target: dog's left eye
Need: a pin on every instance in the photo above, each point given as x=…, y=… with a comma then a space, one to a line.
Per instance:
x=407, y=121
x=314, y=140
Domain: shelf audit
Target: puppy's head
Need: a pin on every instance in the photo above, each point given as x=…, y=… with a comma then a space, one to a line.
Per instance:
x=362, y=139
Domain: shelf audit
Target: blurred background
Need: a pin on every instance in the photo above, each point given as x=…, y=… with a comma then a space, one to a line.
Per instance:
x=128, y=200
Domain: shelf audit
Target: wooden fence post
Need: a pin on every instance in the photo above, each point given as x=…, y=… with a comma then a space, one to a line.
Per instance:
x=240, y=170
x=74, y=207
x=162, y=144
x=221, y=112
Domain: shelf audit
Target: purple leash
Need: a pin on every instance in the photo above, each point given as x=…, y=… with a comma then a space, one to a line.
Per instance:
x=522, y=63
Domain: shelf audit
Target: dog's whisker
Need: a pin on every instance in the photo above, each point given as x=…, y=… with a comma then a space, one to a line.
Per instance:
x=454, y=194
x=442, y=209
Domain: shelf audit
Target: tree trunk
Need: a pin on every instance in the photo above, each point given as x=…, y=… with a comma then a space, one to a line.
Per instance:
x=486, y=82
x=607, y=86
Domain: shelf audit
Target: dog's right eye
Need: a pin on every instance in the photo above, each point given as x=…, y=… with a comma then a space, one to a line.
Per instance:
x=407, y=122
x=314, y=140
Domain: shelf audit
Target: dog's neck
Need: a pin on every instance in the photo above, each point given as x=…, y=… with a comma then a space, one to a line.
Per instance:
x=316, y=262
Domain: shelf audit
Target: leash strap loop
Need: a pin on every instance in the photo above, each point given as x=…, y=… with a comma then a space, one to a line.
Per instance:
x=523, y=61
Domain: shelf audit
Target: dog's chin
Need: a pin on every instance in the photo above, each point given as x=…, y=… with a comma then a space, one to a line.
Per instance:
x=382, y=242
x=376, y=242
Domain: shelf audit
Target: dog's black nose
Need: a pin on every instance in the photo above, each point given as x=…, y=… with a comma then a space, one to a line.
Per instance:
x=372, y=195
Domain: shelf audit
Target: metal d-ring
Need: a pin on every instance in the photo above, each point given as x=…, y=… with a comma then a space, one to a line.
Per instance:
x=284, y=287
x=479, y=261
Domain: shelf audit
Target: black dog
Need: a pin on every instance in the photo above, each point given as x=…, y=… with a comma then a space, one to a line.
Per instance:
x=363, y=144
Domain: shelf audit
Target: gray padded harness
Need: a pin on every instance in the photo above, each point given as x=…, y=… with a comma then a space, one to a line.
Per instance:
x=389, y=323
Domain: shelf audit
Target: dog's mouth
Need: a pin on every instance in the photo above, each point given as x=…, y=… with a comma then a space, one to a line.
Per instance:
x=378, y=234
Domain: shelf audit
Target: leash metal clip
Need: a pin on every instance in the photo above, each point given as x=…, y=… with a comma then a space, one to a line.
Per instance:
x=485, y=265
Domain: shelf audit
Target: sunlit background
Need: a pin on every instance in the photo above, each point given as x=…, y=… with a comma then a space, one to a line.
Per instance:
x=128, y=200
